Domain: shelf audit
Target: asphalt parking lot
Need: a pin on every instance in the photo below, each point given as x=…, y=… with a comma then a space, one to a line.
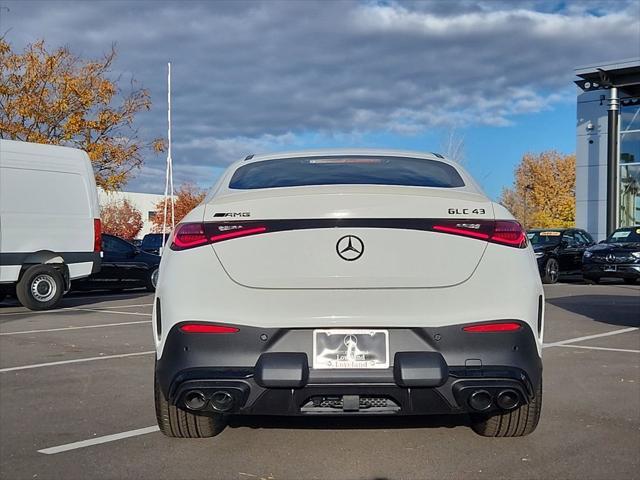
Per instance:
x=76, y=401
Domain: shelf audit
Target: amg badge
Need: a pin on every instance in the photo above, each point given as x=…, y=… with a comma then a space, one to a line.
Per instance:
x=232, y=214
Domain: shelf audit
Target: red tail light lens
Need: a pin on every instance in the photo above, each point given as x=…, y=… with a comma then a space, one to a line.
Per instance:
x=207, y=328
x=237, y=233
x=459, y=229
x=504, y=232
x=509, y=232
x=493, y=327
x=97, y=235
x=190, y=235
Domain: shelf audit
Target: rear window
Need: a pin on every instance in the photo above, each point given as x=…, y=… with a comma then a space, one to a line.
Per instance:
x=359, y=170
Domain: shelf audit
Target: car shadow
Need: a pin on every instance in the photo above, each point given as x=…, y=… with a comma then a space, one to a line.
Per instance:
x=349, y=422
x=622, y=310
x=85, y=299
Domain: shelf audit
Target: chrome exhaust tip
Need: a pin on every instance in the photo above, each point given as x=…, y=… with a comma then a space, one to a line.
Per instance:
x=508, y=399
x=480, y=400
x=222, y=401
x=195, y=400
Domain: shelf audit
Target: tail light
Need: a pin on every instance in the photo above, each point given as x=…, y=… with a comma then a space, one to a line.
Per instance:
x=503, y=232
x=97, y=235
x=493, y=327
x=207, y=328
x=190, y=235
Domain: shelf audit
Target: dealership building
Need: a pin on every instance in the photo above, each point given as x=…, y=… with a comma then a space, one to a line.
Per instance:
x=608, y=147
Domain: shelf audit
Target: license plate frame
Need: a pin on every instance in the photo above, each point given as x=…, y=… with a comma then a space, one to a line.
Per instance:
x=334, y=348
x=610, y=268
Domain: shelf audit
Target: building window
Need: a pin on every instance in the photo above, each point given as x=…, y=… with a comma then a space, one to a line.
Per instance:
x=151, y=216
x=630, y=163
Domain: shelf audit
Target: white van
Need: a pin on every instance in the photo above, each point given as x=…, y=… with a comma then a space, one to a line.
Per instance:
x=49, y=221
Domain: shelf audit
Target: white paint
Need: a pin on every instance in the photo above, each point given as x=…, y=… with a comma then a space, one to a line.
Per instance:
x=606, y=349
x=102, y=325
x=99, y=440
x=77, y=360
x=589, y=337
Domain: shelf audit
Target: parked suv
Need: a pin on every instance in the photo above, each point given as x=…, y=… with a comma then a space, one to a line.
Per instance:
x=616, y=257
x=357, y=282
x=123, y=266
x=559, y=251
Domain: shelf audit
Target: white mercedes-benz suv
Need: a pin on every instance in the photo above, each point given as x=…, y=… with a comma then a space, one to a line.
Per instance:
x=351, y=282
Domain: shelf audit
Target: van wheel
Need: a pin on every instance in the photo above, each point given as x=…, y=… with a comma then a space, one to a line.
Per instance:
x=551, y=271
x=518, y=422
x=40, y=288
x=177, y=423
x=152, y=280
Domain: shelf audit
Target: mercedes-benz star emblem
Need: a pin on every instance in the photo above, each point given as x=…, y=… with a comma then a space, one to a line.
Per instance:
x=350, y=248
x=610, y=258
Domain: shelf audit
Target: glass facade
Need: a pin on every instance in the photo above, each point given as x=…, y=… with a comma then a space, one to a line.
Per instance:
x=630, y=162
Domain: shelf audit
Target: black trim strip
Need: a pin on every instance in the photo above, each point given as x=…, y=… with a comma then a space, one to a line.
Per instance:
x=422, y=224
x=19, y=258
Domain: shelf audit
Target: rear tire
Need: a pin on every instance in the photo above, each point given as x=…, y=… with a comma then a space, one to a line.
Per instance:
x=152, y=280
x=177, y=423
x=518, y=422
x=40, y=288
x=551, y=271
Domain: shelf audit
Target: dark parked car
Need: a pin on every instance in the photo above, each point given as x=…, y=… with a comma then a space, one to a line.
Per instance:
x=559, y=251
x=152, y=242
x=123, y=266
x=618, y=257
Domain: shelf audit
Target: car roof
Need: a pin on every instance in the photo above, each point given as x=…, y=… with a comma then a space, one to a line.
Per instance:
x=329, y=152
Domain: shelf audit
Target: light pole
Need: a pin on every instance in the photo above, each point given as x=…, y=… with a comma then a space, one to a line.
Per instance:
x=527, y=188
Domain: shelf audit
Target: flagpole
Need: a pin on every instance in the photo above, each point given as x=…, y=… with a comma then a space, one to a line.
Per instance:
x=168, y=181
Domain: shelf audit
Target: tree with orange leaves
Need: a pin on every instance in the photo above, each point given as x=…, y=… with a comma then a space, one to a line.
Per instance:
x=58, y=98
x=121, y=218
x=188, y=197
x=544, y=191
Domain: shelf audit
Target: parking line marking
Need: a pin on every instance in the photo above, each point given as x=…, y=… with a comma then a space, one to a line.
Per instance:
x=99, y=440
x=589, y=337
x=81, y=309
x=111, y=311
x=77, y=360
x=607, y=349
x=76, y=328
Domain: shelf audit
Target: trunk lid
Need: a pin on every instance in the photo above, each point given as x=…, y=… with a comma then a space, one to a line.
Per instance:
x=348, y=237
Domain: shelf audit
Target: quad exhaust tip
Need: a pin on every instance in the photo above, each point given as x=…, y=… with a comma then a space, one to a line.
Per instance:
x=480, y=400
x=195, y=400
x=222, y=401
x=508, y=399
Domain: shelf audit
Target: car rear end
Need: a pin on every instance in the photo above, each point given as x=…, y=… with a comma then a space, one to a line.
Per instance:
x=403, y=291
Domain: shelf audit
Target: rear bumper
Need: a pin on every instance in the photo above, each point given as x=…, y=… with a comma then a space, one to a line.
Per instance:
x=268, y=372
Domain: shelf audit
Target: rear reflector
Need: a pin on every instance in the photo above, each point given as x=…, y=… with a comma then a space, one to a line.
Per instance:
x=190, y=235
x=206, y=328
x=493, y=327
x=97, y=235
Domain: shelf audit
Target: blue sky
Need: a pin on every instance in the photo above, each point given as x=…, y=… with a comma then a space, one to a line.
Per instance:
x=264, y=76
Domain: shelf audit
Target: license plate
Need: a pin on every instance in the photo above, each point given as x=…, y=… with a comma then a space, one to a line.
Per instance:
x=348, y=348
x=610, y=268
